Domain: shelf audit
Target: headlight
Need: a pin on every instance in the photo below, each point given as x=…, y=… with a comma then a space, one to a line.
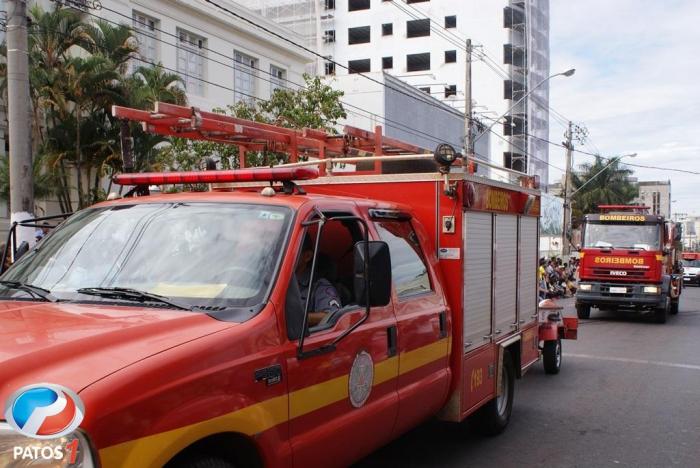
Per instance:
x=651, y=290
x=18, y=451
x=585, y=287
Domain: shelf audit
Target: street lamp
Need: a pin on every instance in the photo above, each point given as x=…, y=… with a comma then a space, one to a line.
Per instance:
x=567, y=74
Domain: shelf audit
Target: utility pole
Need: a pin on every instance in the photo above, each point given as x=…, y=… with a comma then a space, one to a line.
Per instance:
x=21, y=174
x=566, y=243
x=468, y=127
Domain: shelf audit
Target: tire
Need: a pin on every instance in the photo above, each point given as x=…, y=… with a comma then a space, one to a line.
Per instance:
x=674, y=307
x=583, y=311
x=201, y=462
x=661, y=313
x=493, y=417
x=551, y=356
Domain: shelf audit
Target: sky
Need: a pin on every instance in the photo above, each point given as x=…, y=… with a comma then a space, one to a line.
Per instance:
x=636, y=87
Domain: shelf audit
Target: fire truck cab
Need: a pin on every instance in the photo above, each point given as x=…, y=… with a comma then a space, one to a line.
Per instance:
x=282, y=318
x=630, y=260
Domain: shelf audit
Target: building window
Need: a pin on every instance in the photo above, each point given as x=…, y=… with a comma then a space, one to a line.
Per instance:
x=190, y=61
x=359, y=35
x=329, y=36
x=409, y=270
x=387, y=29
x=656, y=202
x=450, y=90
x=418, y=62
x=451, y=21
x=329, y=4
x=387, y=62
x=146, y=32
x=279, y=76
x=426, y=89
x=515, y=161
x=450, y=56
x=355, y=5
x=418, y=28
x=244, y=77
x=359, y=66
x=329, y=68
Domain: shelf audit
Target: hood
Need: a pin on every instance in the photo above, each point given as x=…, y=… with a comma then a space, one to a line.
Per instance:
x=691, y=270
x=77, y=344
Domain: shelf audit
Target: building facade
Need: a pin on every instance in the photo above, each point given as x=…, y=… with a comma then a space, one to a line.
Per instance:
x=424, y=44
x=657, y=196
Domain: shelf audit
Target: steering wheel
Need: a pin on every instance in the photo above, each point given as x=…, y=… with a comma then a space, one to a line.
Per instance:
x=329, y=318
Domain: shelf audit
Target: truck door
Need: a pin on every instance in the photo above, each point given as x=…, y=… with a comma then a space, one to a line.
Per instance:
x=421, y=316
x=342, y=402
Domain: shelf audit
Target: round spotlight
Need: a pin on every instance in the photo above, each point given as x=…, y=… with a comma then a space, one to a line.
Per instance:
x=445, y=155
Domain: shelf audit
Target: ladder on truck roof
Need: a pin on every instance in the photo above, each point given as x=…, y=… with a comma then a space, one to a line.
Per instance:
x=367, y=150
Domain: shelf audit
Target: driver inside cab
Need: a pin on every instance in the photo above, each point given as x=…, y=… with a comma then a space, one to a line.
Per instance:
x=324, y=296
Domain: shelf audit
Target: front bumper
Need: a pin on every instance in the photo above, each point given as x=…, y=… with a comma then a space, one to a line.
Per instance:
x=634, y=296
x=691, y=279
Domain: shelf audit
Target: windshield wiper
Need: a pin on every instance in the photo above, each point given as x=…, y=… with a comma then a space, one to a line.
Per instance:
x=36, y=291
x=133, y=295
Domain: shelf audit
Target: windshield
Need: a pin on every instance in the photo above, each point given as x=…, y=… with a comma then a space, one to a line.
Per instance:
x=206, y=255
x=622, y=236
x=691, y=263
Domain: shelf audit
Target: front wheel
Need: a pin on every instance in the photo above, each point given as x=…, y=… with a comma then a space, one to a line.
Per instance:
x=674, y=307
x=493, y=417
x=661, y=313
x=551, y=356
x=583, y=311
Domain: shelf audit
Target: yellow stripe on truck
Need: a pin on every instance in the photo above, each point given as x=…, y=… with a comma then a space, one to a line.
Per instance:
x=157, y=449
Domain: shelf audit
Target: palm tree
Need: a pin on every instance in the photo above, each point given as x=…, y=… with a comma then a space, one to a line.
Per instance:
x=609, y=185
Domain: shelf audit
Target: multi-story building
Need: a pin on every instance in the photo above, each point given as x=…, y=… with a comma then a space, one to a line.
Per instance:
x=423, y=42
x=221, y=57
x=657, y=196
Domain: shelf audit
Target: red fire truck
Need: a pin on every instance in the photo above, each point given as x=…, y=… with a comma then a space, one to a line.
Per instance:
x=283, y=318
x=630, y=260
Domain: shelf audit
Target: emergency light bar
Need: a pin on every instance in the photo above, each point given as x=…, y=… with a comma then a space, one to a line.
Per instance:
x=274, y=174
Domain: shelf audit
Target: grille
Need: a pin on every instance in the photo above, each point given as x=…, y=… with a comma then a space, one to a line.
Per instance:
x=605, y=273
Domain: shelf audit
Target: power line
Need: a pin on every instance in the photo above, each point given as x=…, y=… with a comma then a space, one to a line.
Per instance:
x=241, y=68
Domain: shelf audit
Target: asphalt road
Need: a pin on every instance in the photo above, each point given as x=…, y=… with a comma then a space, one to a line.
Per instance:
x=628, y=395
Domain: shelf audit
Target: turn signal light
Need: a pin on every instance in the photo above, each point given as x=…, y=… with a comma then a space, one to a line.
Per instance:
x=271, y=174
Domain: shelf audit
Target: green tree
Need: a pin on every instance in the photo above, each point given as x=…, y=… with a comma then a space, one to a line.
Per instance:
x=315, y=106
x=609, y=186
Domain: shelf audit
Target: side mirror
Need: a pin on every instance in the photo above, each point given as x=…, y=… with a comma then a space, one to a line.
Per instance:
x=377, y=269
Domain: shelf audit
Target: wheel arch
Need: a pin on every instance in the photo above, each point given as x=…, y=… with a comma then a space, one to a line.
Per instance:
x=236, y=448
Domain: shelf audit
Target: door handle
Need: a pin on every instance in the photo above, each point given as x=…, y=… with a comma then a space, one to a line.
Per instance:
x=533, y=316
x=391, y=341
x=442, y=317
x=486, y=337
x=498, y=332
x=467, y=344
x=521, y=321
x=514, y=325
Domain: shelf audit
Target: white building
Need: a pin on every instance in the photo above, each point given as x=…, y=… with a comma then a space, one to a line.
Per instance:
x=222, y=58
x=423, y=43
x=657, y=196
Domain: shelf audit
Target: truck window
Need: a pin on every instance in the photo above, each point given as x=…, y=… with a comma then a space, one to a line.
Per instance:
x=408, y=267
x=622, y=236
x=330, y=290
x=195, y=252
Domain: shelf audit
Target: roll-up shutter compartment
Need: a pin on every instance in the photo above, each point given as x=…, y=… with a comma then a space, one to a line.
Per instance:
x=478, y=242
x=527, y=270
x=505, y=274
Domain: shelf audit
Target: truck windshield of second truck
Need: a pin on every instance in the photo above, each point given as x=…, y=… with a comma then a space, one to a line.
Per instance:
x=622, y=236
